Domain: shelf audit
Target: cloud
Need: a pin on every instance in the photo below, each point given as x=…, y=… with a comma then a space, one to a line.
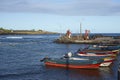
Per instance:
x=63, y=7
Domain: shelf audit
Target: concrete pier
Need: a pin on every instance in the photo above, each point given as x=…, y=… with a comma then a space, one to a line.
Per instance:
x=97, y=40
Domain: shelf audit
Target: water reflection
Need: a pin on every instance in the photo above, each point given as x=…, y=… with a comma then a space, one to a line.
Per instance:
x=103, y=73
x=105, y=70
x=74, y=74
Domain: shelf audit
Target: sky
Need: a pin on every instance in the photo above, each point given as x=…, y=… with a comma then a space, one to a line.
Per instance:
x=98, y=16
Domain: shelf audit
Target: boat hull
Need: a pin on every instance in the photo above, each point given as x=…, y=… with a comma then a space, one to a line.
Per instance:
x=77, y=64
x=86, y=66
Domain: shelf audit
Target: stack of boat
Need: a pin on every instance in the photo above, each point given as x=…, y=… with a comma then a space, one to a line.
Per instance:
x=91, y=57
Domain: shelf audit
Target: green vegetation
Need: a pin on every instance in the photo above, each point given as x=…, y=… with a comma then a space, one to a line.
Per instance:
x=33, y=31
x=2, y=30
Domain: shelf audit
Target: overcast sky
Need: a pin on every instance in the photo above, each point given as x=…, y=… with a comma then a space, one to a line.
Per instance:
x=60, y=15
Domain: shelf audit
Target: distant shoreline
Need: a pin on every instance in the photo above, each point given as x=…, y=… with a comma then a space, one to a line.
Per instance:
x=23, y=32
x=26, y=33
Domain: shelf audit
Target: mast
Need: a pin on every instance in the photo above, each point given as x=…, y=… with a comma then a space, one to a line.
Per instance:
x=60, y=31
x=80, y=31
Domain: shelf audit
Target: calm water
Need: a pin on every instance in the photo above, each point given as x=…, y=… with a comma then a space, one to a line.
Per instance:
x=20, y=55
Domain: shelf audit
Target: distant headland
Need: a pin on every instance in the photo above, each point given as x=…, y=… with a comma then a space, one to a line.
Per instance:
x=15, y=32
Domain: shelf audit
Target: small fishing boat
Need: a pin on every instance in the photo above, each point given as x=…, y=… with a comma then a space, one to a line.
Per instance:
x=101, y=48
x=73, y=63
x=95, y=54
x=108, y=60
x=109, y=56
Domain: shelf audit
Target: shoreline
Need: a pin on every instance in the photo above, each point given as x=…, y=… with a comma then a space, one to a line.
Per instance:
x=25, y=32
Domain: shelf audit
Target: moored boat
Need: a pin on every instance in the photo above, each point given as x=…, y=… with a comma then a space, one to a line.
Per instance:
x=87, y=58
x=96, y=54
x=101, y=48
x=108, y=59
x=72, y=63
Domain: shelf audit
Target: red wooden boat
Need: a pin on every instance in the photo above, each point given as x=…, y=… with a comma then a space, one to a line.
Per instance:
x=69, y=63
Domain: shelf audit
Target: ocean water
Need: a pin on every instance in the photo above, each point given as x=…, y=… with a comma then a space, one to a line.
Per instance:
x=20, y=57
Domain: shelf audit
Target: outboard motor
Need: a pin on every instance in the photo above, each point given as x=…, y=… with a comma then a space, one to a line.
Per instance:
x=68, y=55
x=44, y=59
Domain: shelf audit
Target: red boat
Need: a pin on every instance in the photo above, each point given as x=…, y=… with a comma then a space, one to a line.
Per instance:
x=69, y=63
